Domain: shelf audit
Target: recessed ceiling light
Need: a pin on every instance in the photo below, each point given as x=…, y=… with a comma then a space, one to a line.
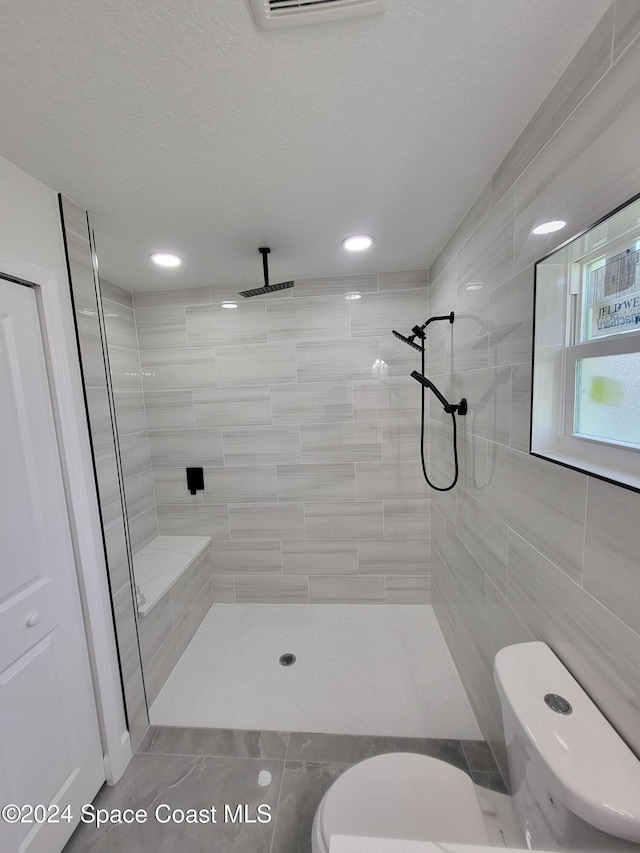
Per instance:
x=230, y=305
x=357, y=243
x=549, y=227
x=166, y=259
x=475, y=285
x=353, y=295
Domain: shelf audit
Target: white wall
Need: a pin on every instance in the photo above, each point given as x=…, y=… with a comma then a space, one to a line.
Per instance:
x=31, y=247
x=29, y=220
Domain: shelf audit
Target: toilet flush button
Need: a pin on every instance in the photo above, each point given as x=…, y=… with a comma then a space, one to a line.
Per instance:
x=558, y=703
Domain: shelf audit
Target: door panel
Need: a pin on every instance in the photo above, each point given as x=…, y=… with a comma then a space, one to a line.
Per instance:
x=49, y=740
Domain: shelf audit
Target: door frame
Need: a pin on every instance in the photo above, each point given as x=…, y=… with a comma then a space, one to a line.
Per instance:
x=67, y=397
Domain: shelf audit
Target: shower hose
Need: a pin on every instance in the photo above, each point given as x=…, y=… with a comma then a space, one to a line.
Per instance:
x=455, y=440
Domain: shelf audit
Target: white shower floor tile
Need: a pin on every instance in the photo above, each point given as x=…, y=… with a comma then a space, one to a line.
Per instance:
x=360, y=669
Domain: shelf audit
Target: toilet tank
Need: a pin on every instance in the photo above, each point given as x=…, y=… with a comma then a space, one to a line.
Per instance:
x=575, y=783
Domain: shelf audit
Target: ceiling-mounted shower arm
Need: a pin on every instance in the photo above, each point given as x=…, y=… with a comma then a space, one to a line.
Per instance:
x=450, y=408
x=265, y=265
x=267, y=287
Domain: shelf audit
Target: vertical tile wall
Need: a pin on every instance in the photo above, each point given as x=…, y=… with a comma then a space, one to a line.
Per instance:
x=525, y=549
x=99, y=413
x=126, y=381
x=300, y=409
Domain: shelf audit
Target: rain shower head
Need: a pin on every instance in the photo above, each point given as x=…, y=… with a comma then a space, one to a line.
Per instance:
x=268, y=288
x=410, y=340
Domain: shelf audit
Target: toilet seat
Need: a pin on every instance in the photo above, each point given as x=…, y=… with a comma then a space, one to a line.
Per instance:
x=402, y=796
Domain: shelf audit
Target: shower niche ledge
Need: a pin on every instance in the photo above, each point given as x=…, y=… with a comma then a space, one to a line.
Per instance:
x=161, y=563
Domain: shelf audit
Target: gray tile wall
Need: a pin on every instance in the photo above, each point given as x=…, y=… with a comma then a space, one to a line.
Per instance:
x=107, y=470
x=131, y=418
x=300, y=410
x=523, y=548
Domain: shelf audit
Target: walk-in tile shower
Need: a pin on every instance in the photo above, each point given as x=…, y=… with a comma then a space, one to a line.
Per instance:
x=264, y=495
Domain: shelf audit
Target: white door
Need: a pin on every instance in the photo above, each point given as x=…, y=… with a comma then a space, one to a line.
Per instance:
x=50, y=752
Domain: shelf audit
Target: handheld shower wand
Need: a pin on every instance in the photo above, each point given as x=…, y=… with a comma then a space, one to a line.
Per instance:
x=450, y=409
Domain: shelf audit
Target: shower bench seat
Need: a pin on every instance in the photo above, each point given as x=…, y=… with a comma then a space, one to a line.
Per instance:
x=161, y=563
x=174, y=576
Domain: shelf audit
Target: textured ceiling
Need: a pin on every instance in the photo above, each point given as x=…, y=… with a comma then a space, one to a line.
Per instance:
x=182, y=126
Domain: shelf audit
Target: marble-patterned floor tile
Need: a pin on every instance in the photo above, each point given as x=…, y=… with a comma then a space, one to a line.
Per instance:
x=186, y=782
x=492, y=781
x=479, y=756
x=303, y=786
x=348, y=749
x=233, y=743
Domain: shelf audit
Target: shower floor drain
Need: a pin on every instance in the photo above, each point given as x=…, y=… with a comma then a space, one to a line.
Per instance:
x=287, y=660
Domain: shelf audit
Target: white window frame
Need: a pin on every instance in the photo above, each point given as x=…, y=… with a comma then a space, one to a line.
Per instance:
x=553, y=434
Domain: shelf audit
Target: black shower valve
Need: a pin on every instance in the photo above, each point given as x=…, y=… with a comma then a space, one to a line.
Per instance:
x=195, y=480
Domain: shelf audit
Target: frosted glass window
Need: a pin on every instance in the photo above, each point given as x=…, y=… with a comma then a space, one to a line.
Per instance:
x=608, y=398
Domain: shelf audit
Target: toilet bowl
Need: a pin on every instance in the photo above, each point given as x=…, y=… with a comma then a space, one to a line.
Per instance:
x=401, y=796
x=576, y=785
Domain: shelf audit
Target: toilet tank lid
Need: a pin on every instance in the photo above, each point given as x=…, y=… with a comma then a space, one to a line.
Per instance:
x=590, y=769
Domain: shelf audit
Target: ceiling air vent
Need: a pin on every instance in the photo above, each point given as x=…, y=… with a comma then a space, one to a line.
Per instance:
x=289, y=13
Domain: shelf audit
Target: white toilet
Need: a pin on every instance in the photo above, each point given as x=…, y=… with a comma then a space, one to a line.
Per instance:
x=576, y=784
